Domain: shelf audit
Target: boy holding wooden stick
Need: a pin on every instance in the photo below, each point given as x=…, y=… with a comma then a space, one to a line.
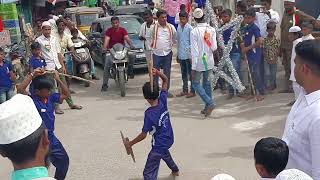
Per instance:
x=157, y=123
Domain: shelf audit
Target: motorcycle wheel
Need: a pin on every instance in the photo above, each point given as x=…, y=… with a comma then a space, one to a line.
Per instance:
x=122, y=83
x=87, y=77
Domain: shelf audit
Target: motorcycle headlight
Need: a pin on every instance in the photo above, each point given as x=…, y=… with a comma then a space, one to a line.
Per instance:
x=120, y=55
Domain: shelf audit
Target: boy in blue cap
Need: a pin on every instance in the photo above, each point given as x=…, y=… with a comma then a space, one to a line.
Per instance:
x=45, y=103
x=157, y=123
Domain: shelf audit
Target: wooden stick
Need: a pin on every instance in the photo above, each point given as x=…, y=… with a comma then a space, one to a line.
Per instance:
x=150, y=66
x=250, y=78
x=73, y=77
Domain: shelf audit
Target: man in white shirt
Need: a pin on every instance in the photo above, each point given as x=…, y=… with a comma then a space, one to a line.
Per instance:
x=203, y=44
x=302, y=132
x=146, y=29
x=163, y=37
x=51, y=51
x=274, y=15
x=294, y=36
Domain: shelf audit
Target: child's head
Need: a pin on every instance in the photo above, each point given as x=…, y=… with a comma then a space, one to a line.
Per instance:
x=241, y=7
x=294, y=33
x=36, y=49
x=74, y=33
x=183, y=17
x=307, y=28
x=271, y=28
x=271, y=157
x=266, y=4
x=250, y=16
x=149, y=95
x=2, y=55
x=42, y=86
x=226, y=15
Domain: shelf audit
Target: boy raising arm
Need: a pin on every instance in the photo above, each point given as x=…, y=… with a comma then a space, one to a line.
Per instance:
x=157, y=123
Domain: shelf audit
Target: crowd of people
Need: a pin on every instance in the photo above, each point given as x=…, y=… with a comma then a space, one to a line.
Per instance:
x=27, y=133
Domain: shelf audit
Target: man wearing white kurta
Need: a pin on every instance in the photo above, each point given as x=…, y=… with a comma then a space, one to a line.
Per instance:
x=302, y=130
x=203, y=44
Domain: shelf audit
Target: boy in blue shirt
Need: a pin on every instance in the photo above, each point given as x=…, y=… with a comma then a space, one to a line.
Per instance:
x=45, y=103
x=36, y=61
x=251, y=47
x=235, y=53
x=184, y=54
x=157, y=123
x=6, y=78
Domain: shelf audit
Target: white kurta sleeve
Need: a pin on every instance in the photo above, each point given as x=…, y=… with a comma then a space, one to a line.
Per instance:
x=214, y=40
x=194, y=49
x=314, y=135
x=275, y=17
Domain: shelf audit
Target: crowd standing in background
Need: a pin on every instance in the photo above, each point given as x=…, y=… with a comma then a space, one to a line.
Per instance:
x=254, y=55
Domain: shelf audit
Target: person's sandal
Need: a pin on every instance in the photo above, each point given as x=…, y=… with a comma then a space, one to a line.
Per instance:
x=191, y=95
x=77, y=107
x=58, y=111
x=181, y=94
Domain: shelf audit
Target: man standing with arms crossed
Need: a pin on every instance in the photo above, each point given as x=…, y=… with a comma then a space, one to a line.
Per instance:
x=163, y=38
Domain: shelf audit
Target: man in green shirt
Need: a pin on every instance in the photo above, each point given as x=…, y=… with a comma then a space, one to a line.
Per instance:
x=24, y=138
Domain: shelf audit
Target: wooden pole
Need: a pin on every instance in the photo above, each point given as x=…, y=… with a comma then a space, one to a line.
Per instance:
x=73, y=77
x=250, y=78
x=150, y=66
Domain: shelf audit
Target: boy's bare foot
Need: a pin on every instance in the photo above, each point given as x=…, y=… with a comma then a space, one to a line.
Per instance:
x=181, y=94
x=175, y=173
x=191, y=95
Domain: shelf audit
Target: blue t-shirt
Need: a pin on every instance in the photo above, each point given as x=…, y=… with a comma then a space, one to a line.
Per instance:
x=157, y=123
x=46, y=110
x=37, y=62
x=252, y=33
x=5, y=78
x=226, y=37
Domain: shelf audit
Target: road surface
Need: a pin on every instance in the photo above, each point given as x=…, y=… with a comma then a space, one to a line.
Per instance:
x=203, y=147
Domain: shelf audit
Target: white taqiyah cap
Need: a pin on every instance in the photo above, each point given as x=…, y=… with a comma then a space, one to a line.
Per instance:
x=18, y=119
x=293, y=174
x=295, y=29
x=197, y=13
x=46, y=23
x=223, y=177
x=290, y=0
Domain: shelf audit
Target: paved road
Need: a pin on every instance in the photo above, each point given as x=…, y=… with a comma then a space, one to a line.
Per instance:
x=202, y=148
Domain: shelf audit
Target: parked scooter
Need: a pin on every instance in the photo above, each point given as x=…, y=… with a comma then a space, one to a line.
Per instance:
x=82, y=60
x=119, y=68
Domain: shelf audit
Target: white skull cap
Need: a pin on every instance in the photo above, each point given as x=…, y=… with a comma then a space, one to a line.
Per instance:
x=293, y=174
x=223, y=177
x=295, y=29
x=19, y=118
x=197, y=13
x=46, y=23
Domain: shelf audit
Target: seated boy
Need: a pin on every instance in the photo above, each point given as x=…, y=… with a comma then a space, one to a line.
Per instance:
x=45, y=102
x=271, y=157
x=157, y=123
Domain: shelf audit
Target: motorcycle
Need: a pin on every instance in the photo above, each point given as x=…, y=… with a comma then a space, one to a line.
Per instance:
x=15, y=54
x=119, y=68
x=82, y=60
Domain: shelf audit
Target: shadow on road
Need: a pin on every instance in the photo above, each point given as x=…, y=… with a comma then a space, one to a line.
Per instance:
x=159, y=178
x=237, y=152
